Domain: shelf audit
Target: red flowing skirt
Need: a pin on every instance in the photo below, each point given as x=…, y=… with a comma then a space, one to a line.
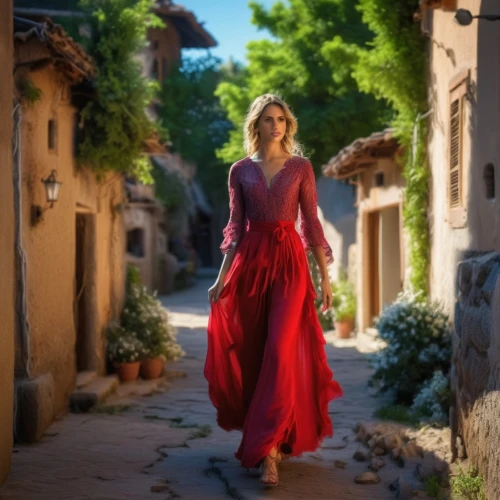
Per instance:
x=266, y=364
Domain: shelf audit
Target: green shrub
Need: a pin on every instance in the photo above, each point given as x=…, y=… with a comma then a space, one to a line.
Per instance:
x=432, y=403
x=123, y=346
x=144, y=330
x=144, y=315
x=468, y=485
x=417, y=344
x=432, y=486
x=344, y=299
x=396, y=413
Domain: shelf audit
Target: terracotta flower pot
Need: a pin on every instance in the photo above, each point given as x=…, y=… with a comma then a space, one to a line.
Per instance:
x=344, y=328
x=152, y=368
x=127, y=371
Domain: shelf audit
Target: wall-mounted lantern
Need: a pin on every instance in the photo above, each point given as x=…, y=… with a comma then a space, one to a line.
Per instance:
x=464, y=17
x=52, y=187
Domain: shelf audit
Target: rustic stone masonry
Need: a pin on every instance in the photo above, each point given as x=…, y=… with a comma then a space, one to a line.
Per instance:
x=475, y=373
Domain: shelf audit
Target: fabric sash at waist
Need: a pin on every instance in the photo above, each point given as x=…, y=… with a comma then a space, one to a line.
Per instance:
x=280, y=228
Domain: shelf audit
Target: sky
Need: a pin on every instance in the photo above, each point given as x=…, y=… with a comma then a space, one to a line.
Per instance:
x=228, y=21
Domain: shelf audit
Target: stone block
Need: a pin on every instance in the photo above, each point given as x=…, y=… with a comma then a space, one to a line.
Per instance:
x=481, y=274
x=34, y=407
x=83, y=400
x=476, y=371
x=367, y=478
x=490, y=283
x=476, y=331
x=464, y=277
x=458, y=319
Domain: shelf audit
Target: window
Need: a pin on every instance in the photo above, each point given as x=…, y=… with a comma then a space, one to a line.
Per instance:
x=456, y=142
x=379, y=179
x=489, y=181
x=135, y=242
x=455, y=152
x=52, y=135
x=164, y=68
x=154, y=69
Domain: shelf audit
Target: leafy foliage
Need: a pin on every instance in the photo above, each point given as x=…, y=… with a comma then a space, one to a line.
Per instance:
x=433, y=487
x=417, y=344
x=468, y=485
x=145, y=318
x=432, y=403
x=393, y=70
x=115, y=123
x=170, y=189
x=309, y=62
x=396, y=413
x=28, y=91
x=344, y=299
x=123, y=346
x=195, y=120
x=144, y=330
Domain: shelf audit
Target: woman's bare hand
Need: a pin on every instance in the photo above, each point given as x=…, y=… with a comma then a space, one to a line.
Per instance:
x=326, y=290
x=215, y=290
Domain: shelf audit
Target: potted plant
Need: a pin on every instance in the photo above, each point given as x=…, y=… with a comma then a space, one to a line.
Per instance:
x=344, y=306
x=125, y=351
x=145, y=315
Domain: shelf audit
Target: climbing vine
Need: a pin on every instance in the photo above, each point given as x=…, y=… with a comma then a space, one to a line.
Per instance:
x=393, y=69
x=115, y=123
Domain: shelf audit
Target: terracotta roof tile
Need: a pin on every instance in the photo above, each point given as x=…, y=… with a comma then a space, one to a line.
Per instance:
x=361, y=154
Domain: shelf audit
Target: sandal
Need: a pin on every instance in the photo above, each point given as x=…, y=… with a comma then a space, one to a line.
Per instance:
x=269, y=466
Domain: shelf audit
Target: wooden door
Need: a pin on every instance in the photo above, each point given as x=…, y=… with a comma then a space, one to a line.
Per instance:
x=373, y=263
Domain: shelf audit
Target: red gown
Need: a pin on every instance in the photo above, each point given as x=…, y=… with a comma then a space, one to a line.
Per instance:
x=266, y=365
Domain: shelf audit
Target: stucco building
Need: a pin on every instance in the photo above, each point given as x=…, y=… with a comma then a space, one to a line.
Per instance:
x=7, y=259
x=70, y=270
x=371, y=165
x=464, y=150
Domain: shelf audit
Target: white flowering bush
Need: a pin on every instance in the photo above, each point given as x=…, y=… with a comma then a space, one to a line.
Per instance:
x=418, y=343
x=431, y=404
x=145, y=315
x=123, y=346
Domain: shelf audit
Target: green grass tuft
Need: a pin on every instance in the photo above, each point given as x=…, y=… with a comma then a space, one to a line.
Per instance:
x=468, y=485
x=396, y=413
x=203, y=431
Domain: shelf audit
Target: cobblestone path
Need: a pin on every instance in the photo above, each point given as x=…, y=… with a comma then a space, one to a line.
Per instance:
x=164, y=444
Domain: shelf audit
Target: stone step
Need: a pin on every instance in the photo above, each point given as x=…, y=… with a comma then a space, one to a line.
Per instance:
x=94, y=393
x=84, y=378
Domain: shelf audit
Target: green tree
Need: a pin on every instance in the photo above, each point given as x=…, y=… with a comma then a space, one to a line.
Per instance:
x=195, y=120
x=115, y=123
x=309, y=61
x=394, y=69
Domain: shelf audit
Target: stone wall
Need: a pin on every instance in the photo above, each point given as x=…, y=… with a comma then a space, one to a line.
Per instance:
x=475, y=374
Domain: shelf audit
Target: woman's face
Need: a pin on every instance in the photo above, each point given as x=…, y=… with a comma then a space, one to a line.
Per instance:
x=272, y=124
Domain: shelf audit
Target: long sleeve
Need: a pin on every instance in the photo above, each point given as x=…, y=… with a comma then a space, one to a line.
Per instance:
x=311, y=231
x=236, y=225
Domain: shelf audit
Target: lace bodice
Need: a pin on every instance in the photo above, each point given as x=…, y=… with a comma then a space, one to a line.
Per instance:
x=292, y=194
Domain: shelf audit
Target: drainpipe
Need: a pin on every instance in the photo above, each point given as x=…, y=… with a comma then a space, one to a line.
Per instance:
x=22, y=324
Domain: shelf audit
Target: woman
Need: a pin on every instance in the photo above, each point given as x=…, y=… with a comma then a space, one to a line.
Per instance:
x=266, y=365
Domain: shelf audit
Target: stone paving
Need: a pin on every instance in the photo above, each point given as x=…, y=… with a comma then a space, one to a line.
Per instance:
x=160, y=441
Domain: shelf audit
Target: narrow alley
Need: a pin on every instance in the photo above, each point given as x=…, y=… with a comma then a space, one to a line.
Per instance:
x=165, y=444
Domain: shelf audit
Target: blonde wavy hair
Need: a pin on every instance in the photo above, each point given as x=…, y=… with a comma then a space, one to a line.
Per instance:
x=251, y=137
